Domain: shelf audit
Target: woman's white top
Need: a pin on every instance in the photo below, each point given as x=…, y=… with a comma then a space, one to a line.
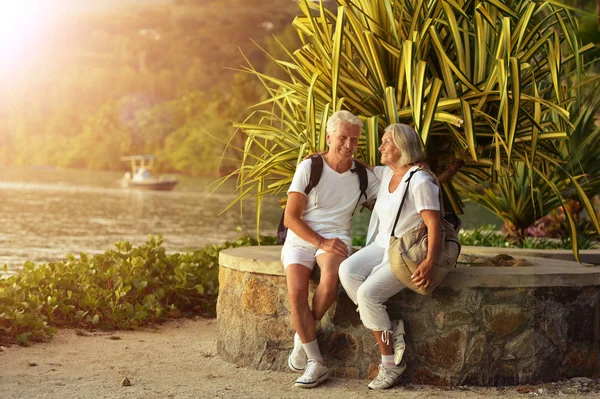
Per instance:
x=423, y=195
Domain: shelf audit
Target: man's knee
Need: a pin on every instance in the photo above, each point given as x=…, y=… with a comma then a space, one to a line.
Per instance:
x=298, y=295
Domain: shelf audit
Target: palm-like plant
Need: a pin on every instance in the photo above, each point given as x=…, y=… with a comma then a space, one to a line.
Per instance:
x=478, y=79
x=521, y=197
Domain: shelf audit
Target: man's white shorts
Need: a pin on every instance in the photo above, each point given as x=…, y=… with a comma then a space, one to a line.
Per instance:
x=298, y=251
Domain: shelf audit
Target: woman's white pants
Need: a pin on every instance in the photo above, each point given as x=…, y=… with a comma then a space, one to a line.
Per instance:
x=369, y=282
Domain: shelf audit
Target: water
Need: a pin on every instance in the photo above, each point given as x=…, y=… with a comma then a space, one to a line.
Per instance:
x=46, y=214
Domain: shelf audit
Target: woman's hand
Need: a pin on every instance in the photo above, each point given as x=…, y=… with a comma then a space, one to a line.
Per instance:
x=314, y=153
x=423, y=275
x=334, y=245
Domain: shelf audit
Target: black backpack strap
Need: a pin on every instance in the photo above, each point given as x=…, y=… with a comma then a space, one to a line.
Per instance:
x=316, y=170
x=363, y=182
x=363, y=179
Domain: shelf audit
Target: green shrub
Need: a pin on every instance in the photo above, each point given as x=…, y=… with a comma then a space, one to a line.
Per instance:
x=122, y=288
x=487, y=236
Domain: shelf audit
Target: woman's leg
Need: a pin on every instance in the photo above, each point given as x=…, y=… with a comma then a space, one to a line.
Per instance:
x=355, y=270
x=381, y=285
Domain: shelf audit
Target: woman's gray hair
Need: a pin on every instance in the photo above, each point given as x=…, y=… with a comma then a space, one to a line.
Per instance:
x=408, y=142
x=342, y=116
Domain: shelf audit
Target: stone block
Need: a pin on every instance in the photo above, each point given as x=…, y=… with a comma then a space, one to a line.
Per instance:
x=521, y=347
x=446, y=352
x=446, y=296
x=593, y=364
x=554, y=325
x=344, y=313
x=259, y=296
x=451, y=319
x=580, y=324
x=424, y=376
x=278, y=330
x=575, y=361
x=504, y=319
x=372, y=371
x=418, y=327
x=343, y=347
x=475, y=350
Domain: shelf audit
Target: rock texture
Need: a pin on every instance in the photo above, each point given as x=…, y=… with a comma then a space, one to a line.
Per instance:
x=466, y=335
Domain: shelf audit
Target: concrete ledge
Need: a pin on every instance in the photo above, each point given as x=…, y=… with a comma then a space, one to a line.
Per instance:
x=587, y=256
x=543, y=273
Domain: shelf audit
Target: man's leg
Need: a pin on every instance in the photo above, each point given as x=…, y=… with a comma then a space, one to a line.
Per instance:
x=297, y=278
x=327, y=290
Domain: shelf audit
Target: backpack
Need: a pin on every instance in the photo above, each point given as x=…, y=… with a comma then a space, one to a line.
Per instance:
x=316, y=170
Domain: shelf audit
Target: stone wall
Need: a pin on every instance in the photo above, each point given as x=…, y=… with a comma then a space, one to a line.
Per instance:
x=460, y=335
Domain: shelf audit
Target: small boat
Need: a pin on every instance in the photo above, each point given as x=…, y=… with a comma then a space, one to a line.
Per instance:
x=141, y=176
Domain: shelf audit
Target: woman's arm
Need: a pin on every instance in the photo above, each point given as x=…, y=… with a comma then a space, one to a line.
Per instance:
x=293, y=220
x=424, y=272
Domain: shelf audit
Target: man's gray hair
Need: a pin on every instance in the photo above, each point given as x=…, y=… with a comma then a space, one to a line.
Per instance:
x=342, y=116
x=408, y=142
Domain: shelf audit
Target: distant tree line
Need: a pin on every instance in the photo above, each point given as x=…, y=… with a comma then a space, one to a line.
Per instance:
x=154, y=79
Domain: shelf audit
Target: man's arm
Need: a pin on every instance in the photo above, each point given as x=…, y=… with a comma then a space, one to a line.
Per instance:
x=293, y=220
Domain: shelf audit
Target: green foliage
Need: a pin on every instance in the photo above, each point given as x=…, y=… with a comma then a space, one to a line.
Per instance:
x=520, y=196
x=487, y=236
x=481, y=82
x=122, y=288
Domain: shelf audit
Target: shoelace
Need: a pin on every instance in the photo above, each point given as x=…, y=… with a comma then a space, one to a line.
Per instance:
x=310, y=367
x=382, y=374
x=385, y=336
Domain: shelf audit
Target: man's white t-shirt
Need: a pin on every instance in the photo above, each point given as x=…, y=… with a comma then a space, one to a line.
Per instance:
x=330, y=205
x=423, y=195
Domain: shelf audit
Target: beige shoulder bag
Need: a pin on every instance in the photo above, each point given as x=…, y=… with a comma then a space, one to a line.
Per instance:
x=407, y=252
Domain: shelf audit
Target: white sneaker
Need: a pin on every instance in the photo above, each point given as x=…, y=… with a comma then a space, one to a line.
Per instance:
x=398, y=342
x=297, y=359
x=387, y=377
x=314, y=374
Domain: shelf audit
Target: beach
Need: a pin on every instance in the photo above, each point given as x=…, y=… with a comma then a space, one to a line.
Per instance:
x=178, y=360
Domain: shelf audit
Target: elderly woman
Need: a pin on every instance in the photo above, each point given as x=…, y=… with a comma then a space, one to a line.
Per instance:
x=366, y=275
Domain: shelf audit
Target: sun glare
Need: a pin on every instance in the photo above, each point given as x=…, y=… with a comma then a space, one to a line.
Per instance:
x=21, y=24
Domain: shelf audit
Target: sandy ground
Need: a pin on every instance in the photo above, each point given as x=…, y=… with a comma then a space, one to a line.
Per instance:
x=178, y=360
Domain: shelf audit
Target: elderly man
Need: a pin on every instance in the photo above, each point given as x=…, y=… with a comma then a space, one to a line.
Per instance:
x=319, y=231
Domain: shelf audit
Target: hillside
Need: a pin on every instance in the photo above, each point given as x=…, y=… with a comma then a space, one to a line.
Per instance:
x=140, y=77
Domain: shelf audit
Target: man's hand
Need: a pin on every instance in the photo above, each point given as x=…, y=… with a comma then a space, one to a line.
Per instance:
x=422, y=277
x=334, y=245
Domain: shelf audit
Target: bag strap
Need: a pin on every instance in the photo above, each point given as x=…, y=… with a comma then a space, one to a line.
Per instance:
x=363, y=182
x=403, y=199
x=430, y=173
x=363, y=178
x=316, y=170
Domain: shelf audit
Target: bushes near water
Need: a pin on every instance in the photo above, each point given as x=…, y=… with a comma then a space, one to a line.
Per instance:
x=120, y=289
